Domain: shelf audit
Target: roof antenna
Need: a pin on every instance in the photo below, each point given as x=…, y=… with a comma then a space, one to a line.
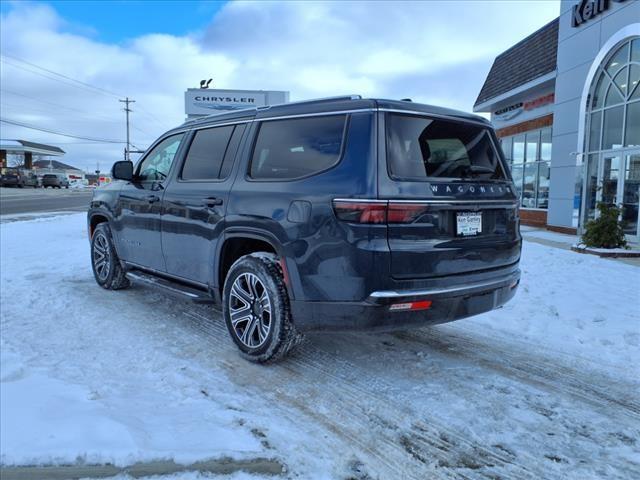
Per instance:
x=406, y=100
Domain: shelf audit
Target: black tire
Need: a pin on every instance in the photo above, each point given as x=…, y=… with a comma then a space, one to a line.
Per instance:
x=106, y=266
x=281, y=337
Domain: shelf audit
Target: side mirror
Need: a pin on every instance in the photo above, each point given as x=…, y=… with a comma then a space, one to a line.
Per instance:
x=122, y=170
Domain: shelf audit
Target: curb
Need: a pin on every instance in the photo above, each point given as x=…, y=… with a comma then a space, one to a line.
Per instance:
x=223, y=466
x=616, y=253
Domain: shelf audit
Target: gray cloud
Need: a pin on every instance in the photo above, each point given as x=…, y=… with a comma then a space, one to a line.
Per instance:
x=436, y=52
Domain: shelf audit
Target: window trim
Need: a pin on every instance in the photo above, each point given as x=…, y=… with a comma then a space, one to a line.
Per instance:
x=496, y=146
x=527, y=161
x=224, y=156
x=254, y=141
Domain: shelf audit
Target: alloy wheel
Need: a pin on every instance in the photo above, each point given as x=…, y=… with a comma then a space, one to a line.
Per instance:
x=250, y=310
x=101, y=256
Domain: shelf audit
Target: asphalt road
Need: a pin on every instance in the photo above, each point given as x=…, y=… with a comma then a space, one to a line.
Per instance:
x=29, y=200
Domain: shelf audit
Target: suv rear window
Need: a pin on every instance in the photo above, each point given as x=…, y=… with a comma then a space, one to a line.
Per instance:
x=419, y=148
x=298, y=147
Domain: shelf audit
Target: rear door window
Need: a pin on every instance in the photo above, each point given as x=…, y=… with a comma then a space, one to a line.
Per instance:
x=206, y=153
x=297, y=147
x=419, y=148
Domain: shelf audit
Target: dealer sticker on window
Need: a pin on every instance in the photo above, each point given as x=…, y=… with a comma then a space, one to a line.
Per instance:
x=469, y=223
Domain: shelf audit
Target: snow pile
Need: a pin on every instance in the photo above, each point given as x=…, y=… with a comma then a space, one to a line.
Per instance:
x=50, y=411
x=581, y=305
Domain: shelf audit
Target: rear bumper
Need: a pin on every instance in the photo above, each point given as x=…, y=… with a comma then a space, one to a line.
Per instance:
x=448, y=304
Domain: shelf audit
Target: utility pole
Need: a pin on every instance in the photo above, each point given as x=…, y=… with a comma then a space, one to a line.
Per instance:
x=127, y=101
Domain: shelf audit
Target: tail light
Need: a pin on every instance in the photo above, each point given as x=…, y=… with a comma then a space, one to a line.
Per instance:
x=378, y=211
x=359, y=211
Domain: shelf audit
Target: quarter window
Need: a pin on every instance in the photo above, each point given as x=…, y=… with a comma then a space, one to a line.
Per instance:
x=206, y=153
x=296, y=148
x=157, y=163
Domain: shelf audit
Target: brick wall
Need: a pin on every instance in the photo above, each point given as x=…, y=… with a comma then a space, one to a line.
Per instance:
x=534, y=218
x=534, y=124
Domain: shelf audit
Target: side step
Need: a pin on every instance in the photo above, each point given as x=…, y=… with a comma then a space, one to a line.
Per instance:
x=170, y=287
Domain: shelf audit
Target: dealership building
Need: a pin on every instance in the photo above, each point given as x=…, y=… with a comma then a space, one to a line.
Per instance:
x=565, y=102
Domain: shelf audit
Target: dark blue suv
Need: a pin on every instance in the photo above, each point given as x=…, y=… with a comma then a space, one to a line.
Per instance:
x=332, y=214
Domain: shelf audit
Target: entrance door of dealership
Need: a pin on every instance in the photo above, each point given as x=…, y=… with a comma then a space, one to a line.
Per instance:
x=615, y=179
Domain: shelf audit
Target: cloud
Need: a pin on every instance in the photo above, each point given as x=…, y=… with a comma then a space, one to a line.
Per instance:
x=434, y=52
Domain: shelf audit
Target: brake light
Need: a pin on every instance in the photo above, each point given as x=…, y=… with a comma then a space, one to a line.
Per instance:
x=378, y=211
x=413, y=306
x=372, y=211
x=405, y=212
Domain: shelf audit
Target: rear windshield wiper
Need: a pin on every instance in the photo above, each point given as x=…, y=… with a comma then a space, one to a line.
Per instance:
x=480, y=169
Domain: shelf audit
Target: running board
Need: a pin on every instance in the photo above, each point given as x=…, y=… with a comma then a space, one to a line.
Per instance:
x=172, y=288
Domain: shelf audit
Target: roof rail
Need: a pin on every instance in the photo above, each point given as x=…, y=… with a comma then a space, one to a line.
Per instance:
x=325, y=100
x=311, y=101
x=223, y=112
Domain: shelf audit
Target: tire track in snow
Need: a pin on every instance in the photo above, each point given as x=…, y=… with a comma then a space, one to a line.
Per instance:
x=499, y=356
x=210, y=330
x=429, y=445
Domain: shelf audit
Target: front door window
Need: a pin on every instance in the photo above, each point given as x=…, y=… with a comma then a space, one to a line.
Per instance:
x=157, y=163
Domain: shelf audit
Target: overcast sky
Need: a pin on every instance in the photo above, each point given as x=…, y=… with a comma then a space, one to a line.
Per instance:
x=435, y=52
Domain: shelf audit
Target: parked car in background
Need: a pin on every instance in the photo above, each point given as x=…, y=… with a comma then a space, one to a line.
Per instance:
x=17, y=177
x=334, y=214
x=55, y=180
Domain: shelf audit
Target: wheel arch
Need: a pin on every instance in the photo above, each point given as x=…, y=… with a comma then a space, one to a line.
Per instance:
x=240, y=242
x=95, y=216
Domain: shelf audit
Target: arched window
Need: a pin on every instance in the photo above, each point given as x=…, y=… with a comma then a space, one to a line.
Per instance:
x=614, y=103
x=612, y=173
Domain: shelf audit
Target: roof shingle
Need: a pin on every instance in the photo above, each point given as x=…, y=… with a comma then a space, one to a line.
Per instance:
x=527, y=60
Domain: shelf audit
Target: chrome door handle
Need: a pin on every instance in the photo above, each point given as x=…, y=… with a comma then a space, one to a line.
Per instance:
x=152, y=198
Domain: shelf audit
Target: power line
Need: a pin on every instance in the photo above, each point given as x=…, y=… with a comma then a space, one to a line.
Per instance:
x=32, y=127
x=57, y=105
x=85, y=113
x=153, y=117
x=76, y=84
x=49, y=112
x=79, y=82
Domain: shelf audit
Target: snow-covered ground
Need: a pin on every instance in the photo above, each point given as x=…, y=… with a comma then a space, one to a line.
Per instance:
x=547, y=387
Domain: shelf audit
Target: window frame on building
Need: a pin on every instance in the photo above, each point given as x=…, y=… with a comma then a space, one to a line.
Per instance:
x=523, y=165
x=623, y=59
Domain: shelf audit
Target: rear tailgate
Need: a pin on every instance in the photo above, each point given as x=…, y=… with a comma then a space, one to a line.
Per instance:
x=451, y=206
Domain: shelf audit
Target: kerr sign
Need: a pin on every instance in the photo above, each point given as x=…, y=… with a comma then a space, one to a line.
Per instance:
x=585, y=10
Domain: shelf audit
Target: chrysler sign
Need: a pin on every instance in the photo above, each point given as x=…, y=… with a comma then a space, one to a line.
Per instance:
x=202, y=101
